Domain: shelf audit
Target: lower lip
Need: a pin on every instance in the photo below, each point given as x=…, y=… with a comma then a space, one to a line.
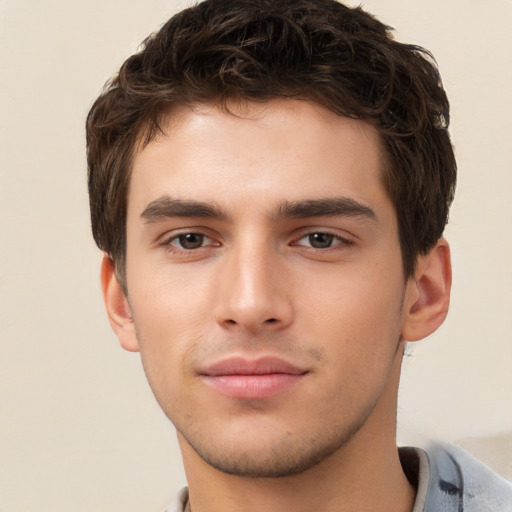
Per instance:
x=253, y=387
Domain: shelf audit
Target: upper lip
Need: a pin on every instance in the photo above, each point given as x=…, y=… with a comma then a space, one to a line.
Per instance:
x=238, y=365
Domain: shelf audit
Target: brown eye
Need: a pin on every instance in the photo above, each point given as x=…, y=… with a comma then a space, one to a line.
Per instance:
x=189, y=241
x=320, y=240
x=323, y=240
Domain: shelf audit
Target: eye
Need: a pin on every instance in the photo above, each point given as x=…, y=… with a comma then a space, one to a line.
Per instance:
x=190, y=241
x=320, y=240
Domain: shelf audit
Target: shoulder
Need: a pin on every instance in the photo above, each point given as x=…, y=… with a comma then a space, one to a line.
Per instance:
x=457, y=475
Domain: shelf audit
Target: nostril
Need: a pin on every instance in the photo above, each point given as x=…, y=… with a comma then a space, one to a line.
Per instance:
x=270, y=320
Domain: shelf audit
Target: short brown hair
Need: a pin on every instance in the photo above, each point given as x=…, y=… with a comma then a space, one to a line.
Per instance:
x=318, y=50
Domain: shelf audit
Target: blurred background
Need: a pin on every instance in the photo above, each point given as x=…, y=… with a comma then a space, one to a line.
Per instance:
x=79, y=427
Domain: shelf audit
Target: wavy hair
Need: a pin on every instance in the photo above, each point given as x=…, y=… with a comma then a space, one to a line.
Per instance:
x=318, y=50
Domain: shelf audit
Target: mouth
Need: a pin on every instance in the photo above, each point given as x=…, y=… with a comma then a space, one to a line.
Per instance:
x=252, y=379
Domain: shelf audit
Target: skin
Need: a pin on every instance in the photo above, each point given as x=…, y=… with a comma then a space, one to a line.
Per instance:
x=221, y=264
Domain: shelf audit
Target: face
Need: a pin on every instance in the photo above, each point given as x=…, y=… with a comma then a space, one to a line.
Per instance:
x=265, y=281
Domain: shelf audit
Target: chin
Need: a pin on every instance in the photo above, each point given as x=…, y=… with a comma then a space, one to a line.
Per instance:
x=256, y=457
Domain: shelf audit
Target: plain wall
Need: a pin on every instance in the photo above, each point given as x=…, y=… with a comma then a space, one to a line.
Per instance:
x=79, y=428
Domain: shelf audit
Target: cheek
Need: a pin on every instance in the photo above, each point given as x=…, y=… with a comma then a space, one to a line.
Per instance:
x=371, y=292
x=355, y=312
x=167, y=298
x=169, y=315
x=358, y=330
x=163, y=329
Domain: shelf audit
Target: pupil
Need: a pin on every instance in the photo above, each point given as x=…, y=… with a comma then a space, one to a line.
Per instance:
x=191, y=240
x=321, y=240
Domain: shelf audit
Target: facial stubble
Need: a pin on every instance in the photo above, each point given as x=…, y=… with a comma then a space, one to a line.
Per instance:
x=289, y=454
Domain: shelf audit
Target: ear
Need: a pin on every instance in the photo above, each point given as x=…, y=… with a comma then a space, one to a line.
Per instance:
x=427, y=295
x=118, y=309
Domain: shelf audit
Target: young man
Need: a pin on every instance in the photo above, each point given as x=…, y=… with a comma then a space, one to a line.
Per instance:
x=269, y=182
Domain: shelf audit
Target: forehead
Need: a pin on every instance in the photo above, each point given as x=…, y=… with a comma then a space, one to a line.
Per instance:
x=281, y=149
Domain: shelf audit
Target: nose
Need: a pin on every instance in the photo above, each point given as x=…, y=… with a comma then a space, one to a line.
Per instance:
x=252, y=292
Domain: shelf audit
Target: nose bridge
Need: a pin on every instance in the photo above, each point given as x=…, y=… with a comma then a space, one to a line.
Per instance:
x=252, y=294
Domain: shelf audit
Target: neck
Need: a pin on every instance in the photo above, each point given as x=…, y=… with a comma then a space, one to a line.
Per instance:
x=365, y=474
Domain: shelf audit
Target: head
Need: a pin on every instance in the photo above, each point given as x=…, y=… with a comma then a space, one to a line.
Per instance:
x=316, y=50
x=269, y=182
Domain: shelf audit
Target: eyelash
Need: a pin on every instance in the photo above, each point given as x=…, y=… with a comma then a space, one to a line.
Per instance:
x=333, y=241
x=168, y=242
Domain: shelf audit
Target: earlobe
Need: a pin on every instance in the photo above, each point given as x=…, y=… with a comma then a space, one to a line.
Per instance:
x=427, y=295
x=117, y=306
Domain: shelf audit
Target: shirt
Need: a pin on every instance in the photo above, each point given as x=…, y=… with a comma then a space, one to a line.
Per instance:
x=446, y=478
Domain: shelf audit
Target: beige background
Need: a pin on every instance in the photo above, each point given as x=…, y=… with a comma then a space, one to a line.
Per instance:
x=79, y=428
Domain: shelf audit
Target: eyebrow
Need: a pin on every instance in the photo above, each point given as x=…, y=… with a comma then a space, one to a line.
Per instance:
x=167, y=207
x=327, y=207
